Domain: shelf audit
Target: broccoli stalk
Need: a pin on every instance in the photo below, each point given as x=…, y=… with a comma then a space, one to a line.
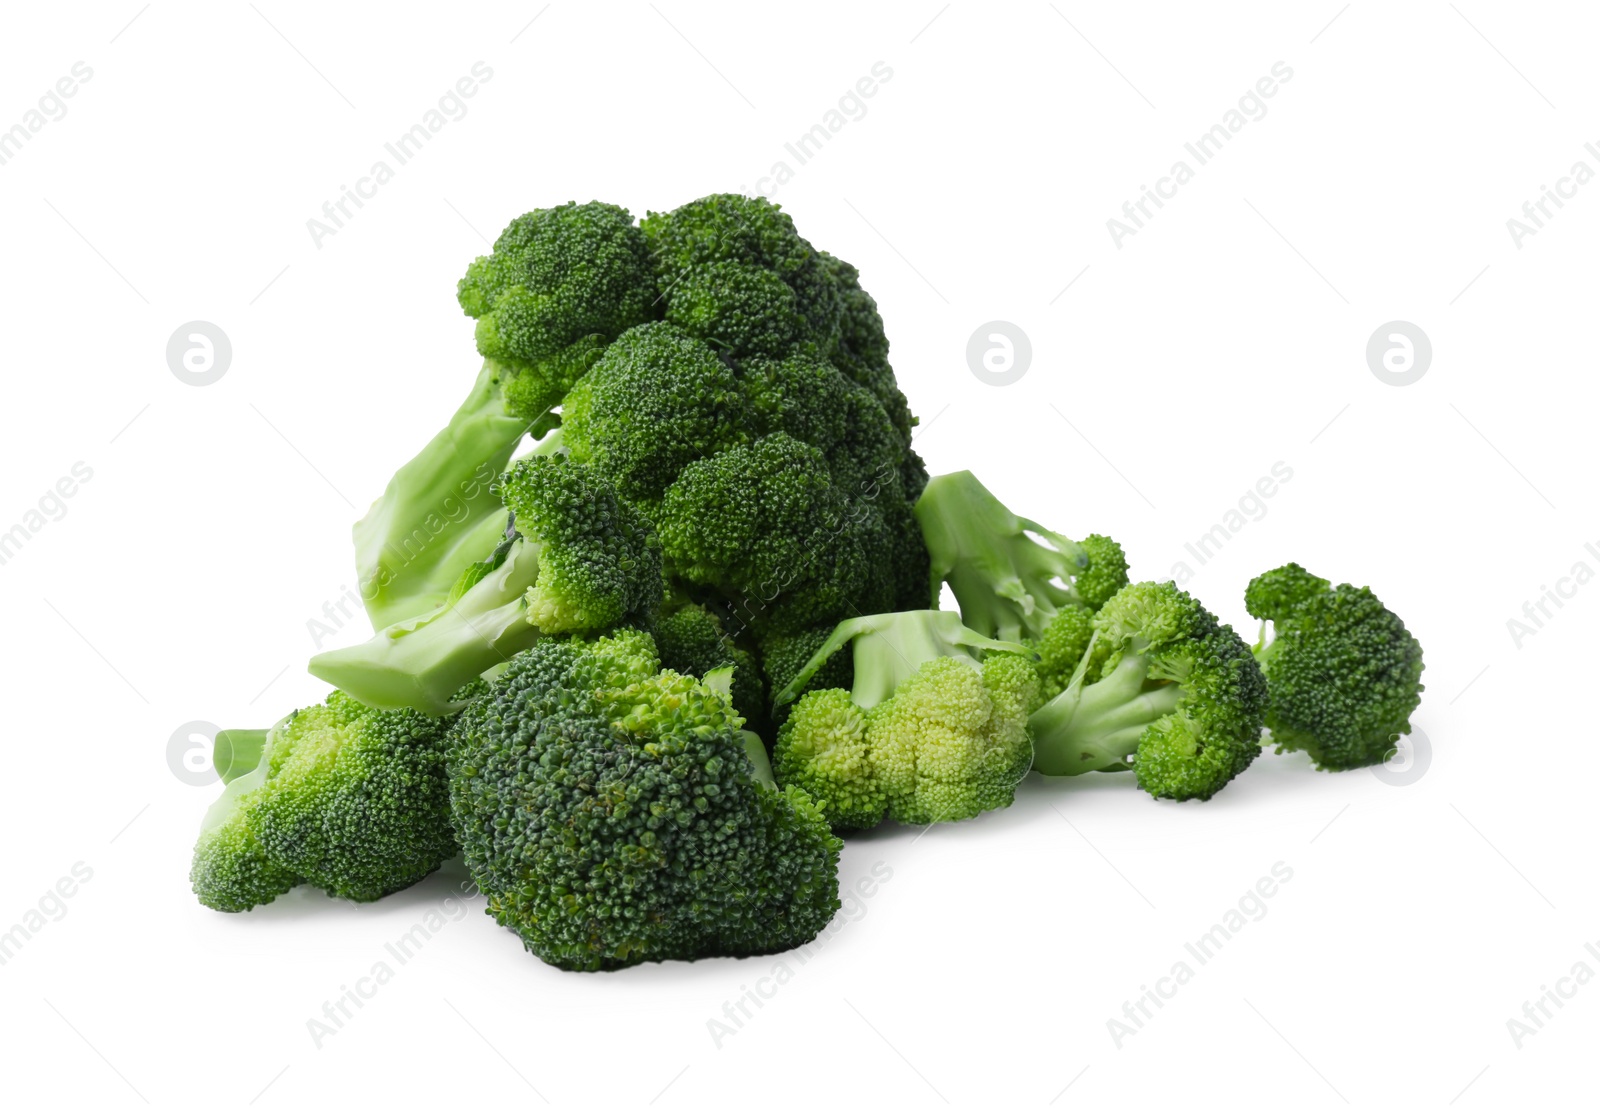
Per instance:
x=580, y=561
x=560, y=284
x=1009, y=584
x=928, y=731
x=1179, y=699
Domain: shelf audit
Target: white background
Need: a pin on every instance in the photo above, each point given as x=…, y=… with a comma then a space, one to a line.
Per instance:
x=1225, y=336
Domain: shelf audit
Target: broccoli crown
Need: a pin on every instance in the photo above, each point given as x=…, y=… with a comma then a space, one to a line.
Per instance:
x=607, y=809
x=559, y=284
x=1344, y=673
x=1009, y=583
x=1066, y=640
x=928, y=732
x=693, y=641
x=347, y=798
x=774, y=482
x=1179, y=698
x=581, y=559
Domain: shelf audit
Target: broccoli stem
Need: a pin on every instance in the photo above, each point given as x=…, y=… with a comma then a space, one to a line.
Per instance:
x=1098, y=726
x=237, y=751
x=421, y=663
x=437, y=515
x=891, y=646
x=985, y=552
x=760, y=764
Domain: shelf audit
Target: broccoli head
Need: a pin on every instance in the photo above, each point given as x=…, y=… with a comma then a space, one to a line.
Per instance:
x=579, y=560
x=1344, y=673
x=347, y=798
x=1179, y=699
x=928, y=731
x=1008, y=583
x=611, y=812
x=560, y=284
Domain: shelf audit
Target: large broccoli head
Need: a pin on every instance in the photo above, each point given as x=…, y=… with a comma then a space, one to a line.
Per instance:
x=608, y=810
x=1344, y=673
x=347, y=798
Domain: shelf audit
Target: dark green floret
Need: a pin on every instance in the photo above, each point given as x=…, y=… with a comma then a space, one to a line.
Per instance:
x=611, y=812
x=339, y=796
x=1344, y=673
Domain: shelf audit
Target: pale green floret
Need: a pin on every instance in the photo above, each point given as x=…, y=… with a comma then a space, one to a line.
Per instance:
x=930, y=730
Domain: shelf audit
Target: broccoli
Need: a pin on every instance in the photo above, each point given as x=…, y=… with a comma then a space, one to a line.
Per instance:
x=559, y=285
x=775, y=484
x=1179, y=698
x=1344, y=673
x=693, y=640
x=927, y=732
x=610, y=811
x=347, y=798
x=579, y=560
x=1009, y=584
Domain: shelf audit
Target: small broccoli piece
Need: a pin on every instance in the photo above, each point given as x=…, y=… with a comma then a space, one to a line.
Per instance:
x=1180, y=700
x=1009, y=584
x=927, y=732
x=560, y=284
x=611, y=812
x=1062, y=646
x=339, y=796
x=694, y=641
x=1344, y=673
x=581, y=560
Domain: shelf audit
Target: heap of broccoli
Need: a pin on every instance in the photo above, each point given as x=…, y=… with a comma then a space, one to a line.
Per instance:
x=657, y=620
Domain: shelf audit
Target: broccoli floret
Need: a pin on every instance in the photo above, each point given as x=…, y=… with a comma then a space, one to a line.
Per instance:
x=734, y=271
x=1062, y=646
x=927, y=732
x=611, y=813
x=1344, y=673
x=694, y=641
x=1008, y=583
x=580, y=560
x=1180, y=700
x=560, y=284
x=340, y=796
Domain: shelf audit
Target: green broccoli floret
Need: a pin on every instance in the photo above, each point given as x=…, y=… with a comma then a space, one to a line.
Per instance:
x=734, y=271
x=774, y=483
x=1062, y=646
x=1180, y=700
x=611, y=813
x=927, y=732
x=339, y=796
x=694, y=641
x=560, y=284
x=1008, y=583
x=1344, y=673
x=580, y=560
